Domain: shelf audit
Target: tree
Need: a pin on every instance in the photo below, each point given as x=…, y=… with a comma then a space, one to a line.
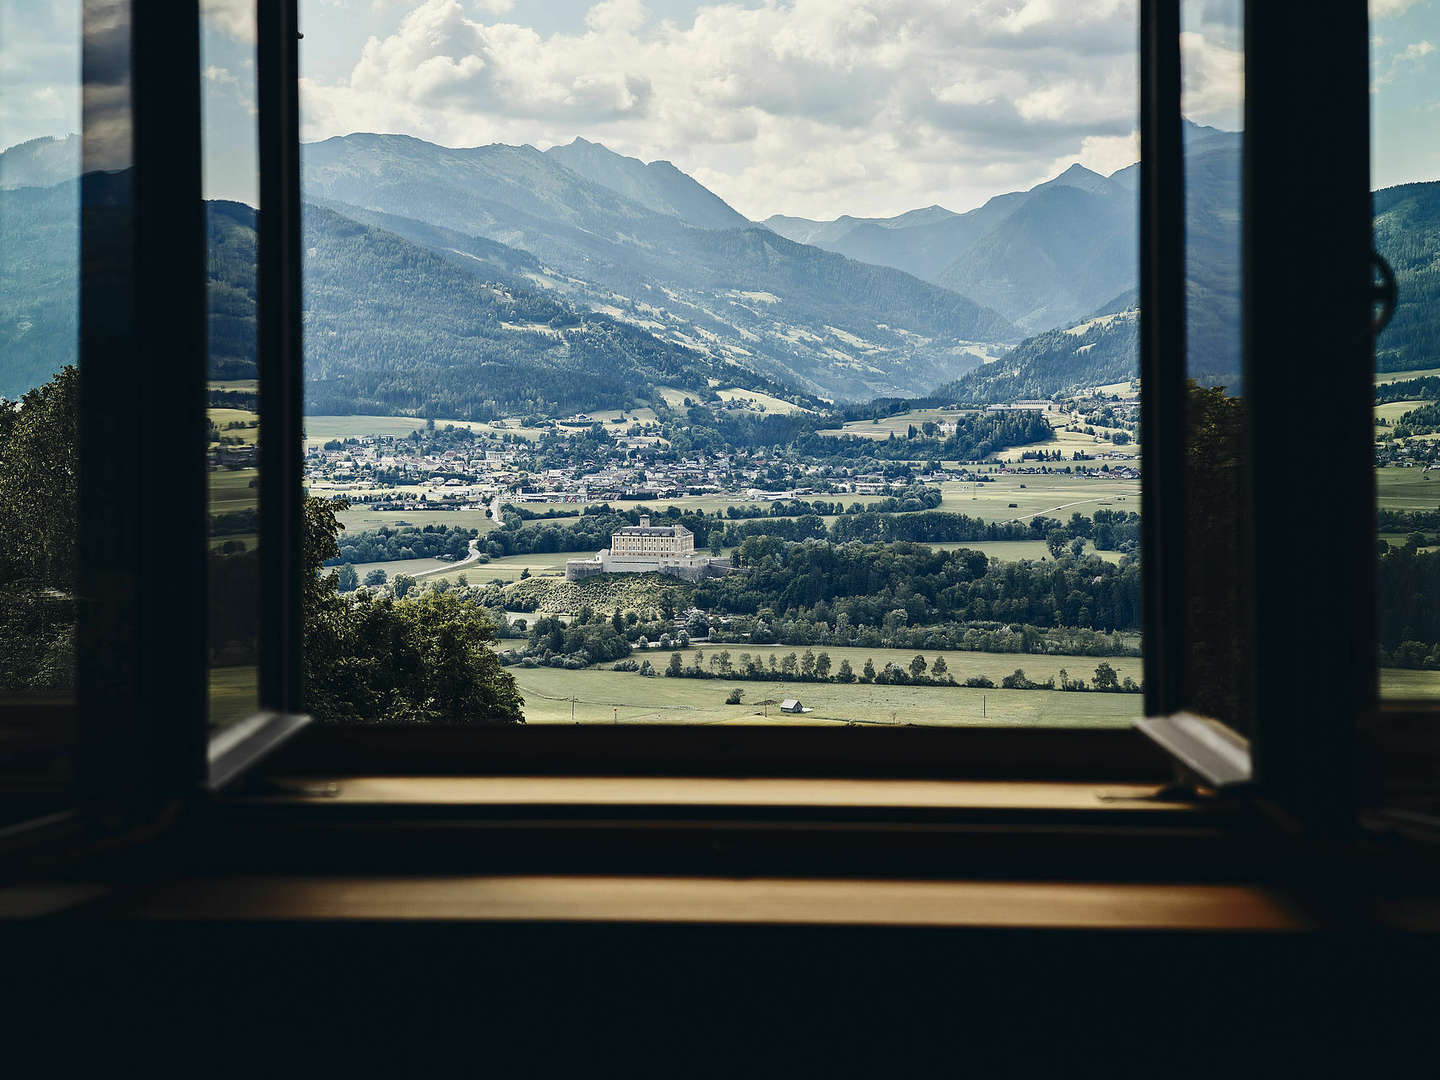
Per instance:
x=647, y=669
x=617, y=622
x=939, y=669
x=376, y=577
x=807, y=665
x=1105, y=677
x=524, y=573
x=403, y=584
x=373, y=659
x=868, y=673
x=789, y=663
x=845, y=674
x=462, y=581
x=918, y=666
x=346, y=579
x=734, y=697
x=822, y=666
x=677, y=666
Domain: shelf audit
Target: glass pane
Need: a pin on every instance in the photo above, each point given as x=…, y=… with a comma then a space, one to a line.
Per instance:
x=728, y=364
x=1218, y=642
x=40, y=103
x=1405, y=165
x=231, y=190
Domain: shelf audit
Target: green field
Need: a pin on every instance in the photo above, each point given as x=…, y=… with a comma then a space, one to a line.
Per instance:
x=1053, y=495
x=234, y=694
x=1381, y=378
x=1394, y=410
x=1401, y=684
x=231, y=489
x=360, y=519
x=608, y=696
x=1015, y=550
x=1407, y=488
x=322, y=429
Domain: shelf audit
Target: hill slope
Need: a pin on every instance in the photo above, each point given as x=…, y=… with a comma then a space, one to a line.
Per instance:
x=1407, y=233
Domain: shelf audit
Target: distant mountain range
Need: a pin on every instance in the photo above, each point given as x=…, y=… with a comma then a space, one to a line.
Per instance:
x=502, y=278
x=648, y=245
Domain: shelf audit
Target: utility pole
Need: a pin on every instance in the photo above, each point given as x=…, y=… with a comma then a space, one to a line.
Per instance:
x=985, y=706
x=572, y=709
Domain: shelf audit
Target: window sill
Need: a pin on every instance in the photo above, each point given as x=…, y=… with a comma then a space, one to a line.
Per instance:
x=724, y=901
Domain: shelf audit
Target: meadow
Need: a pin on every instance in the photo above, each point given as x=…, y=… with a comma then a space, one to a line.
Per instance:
x=625, y=697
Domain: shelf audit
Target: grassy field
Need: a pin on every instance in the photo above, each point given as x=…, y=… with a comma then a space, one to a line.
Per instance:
x=1384, y=377
x=360, y=519
x=1063, y=440
x=322, y=429
x=231, y=489
x=221, y=417
x=234, y=694
x=609, y=696
x=1407, y=489
x=1015, y=550
x=1054, y=495
x=1394, y=410
x=754, y=398
x=1401, y=684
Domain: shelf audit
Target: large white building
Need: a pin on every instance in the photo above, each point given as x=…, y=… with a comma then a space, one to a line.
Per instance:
x=648, y=549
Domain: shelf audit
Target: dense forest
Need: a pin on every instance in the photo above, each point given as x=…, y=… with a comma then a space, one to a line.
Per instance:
x=1407, y=234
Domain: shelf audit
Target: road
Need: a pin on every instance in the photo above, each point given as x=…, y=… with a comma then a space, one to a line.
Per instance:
x=472, y=557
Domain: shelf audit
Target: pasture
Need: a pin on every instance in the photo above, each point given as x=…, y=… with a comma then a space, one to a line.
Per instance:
x=1407, y=488
x=1049, y=494
x=604, y=697
x=1403, y=684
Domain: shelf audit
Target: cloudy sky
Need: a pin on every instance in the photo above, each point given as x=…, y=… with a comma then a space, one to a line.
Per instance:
x=806, y=107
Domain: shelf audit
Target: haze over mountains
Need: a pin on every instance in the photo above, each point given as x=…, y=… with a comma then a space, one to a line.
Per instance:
x=481, y=281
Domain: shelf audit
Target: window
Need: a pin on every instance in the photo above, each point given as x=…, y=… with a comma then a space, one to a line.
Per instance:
x=1407, y=352
x=718, y=372
x=563, y=364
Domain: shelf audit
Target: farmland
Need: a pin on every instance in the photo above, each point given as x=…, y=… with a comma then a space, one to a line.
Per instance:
x=610, y=696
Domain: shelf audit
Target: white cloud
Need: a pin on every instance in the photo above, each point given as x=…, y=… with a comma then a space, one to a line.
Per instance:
x=1380, y=9
x=218, y=75
x=812, y=106
x=233, y=17
x=1214, y=80
x=1415, y=51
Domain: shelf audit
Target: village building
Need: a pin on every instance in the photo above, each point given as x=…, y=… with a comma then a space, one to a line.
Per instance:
x=648, y=549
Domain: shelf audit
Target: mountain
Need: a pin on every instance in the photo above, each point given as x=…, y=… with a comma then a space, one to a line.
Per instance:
x=41, y=162
x=1407, y=234
x=39, y=284
x=1041, y=257
x=1103, y=347
x=658, y=186
x=796, y=314
x=394, y=327
x=1062, y=251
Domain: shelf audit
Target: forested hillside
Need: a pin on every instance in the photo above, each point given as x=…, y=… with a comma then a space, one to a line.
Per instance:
x=392, y=327
x=1407, y=234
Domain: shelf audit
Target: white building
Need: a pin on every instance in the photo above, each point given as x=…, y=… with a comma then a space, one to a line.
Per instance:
x=648, y=549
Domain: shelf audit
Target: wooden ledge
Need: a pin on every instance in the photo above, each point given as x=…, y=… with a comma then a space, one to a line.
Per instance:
x=722, y=901
x=716, y=792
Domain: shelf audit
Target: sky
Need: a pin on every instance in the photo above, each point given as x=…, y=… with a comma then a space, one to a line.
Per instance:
x=813, y=108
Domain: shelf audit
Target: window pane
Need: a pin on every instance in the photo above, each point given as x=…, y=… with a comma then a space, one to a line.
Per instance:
x=1218, y=621
x=769, y=365
x=231, y=187
x=39, y=340
x=1405, y=164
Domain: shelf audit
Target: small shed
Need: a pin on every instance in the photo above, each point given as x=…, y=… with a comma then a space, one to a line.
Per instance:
x=792, y=705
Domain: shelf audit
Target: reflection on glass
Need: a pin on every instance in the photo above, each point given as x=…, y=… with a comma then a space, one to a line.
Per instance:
x=229, y=146
x=1218, y=680
x=1405, y=162
x=39, y=339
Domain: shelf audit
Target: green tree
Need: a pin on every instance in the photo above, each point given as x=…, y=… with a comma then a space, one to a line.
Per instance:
x=918, y=666
x=677, y=666
x=868, y=673
x=845, y=673
x=939, y=669
x=1105, y=677
x=403, y=584
x=734, y=697
x=376, y=577
x=822, y=666
x=346, y=579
